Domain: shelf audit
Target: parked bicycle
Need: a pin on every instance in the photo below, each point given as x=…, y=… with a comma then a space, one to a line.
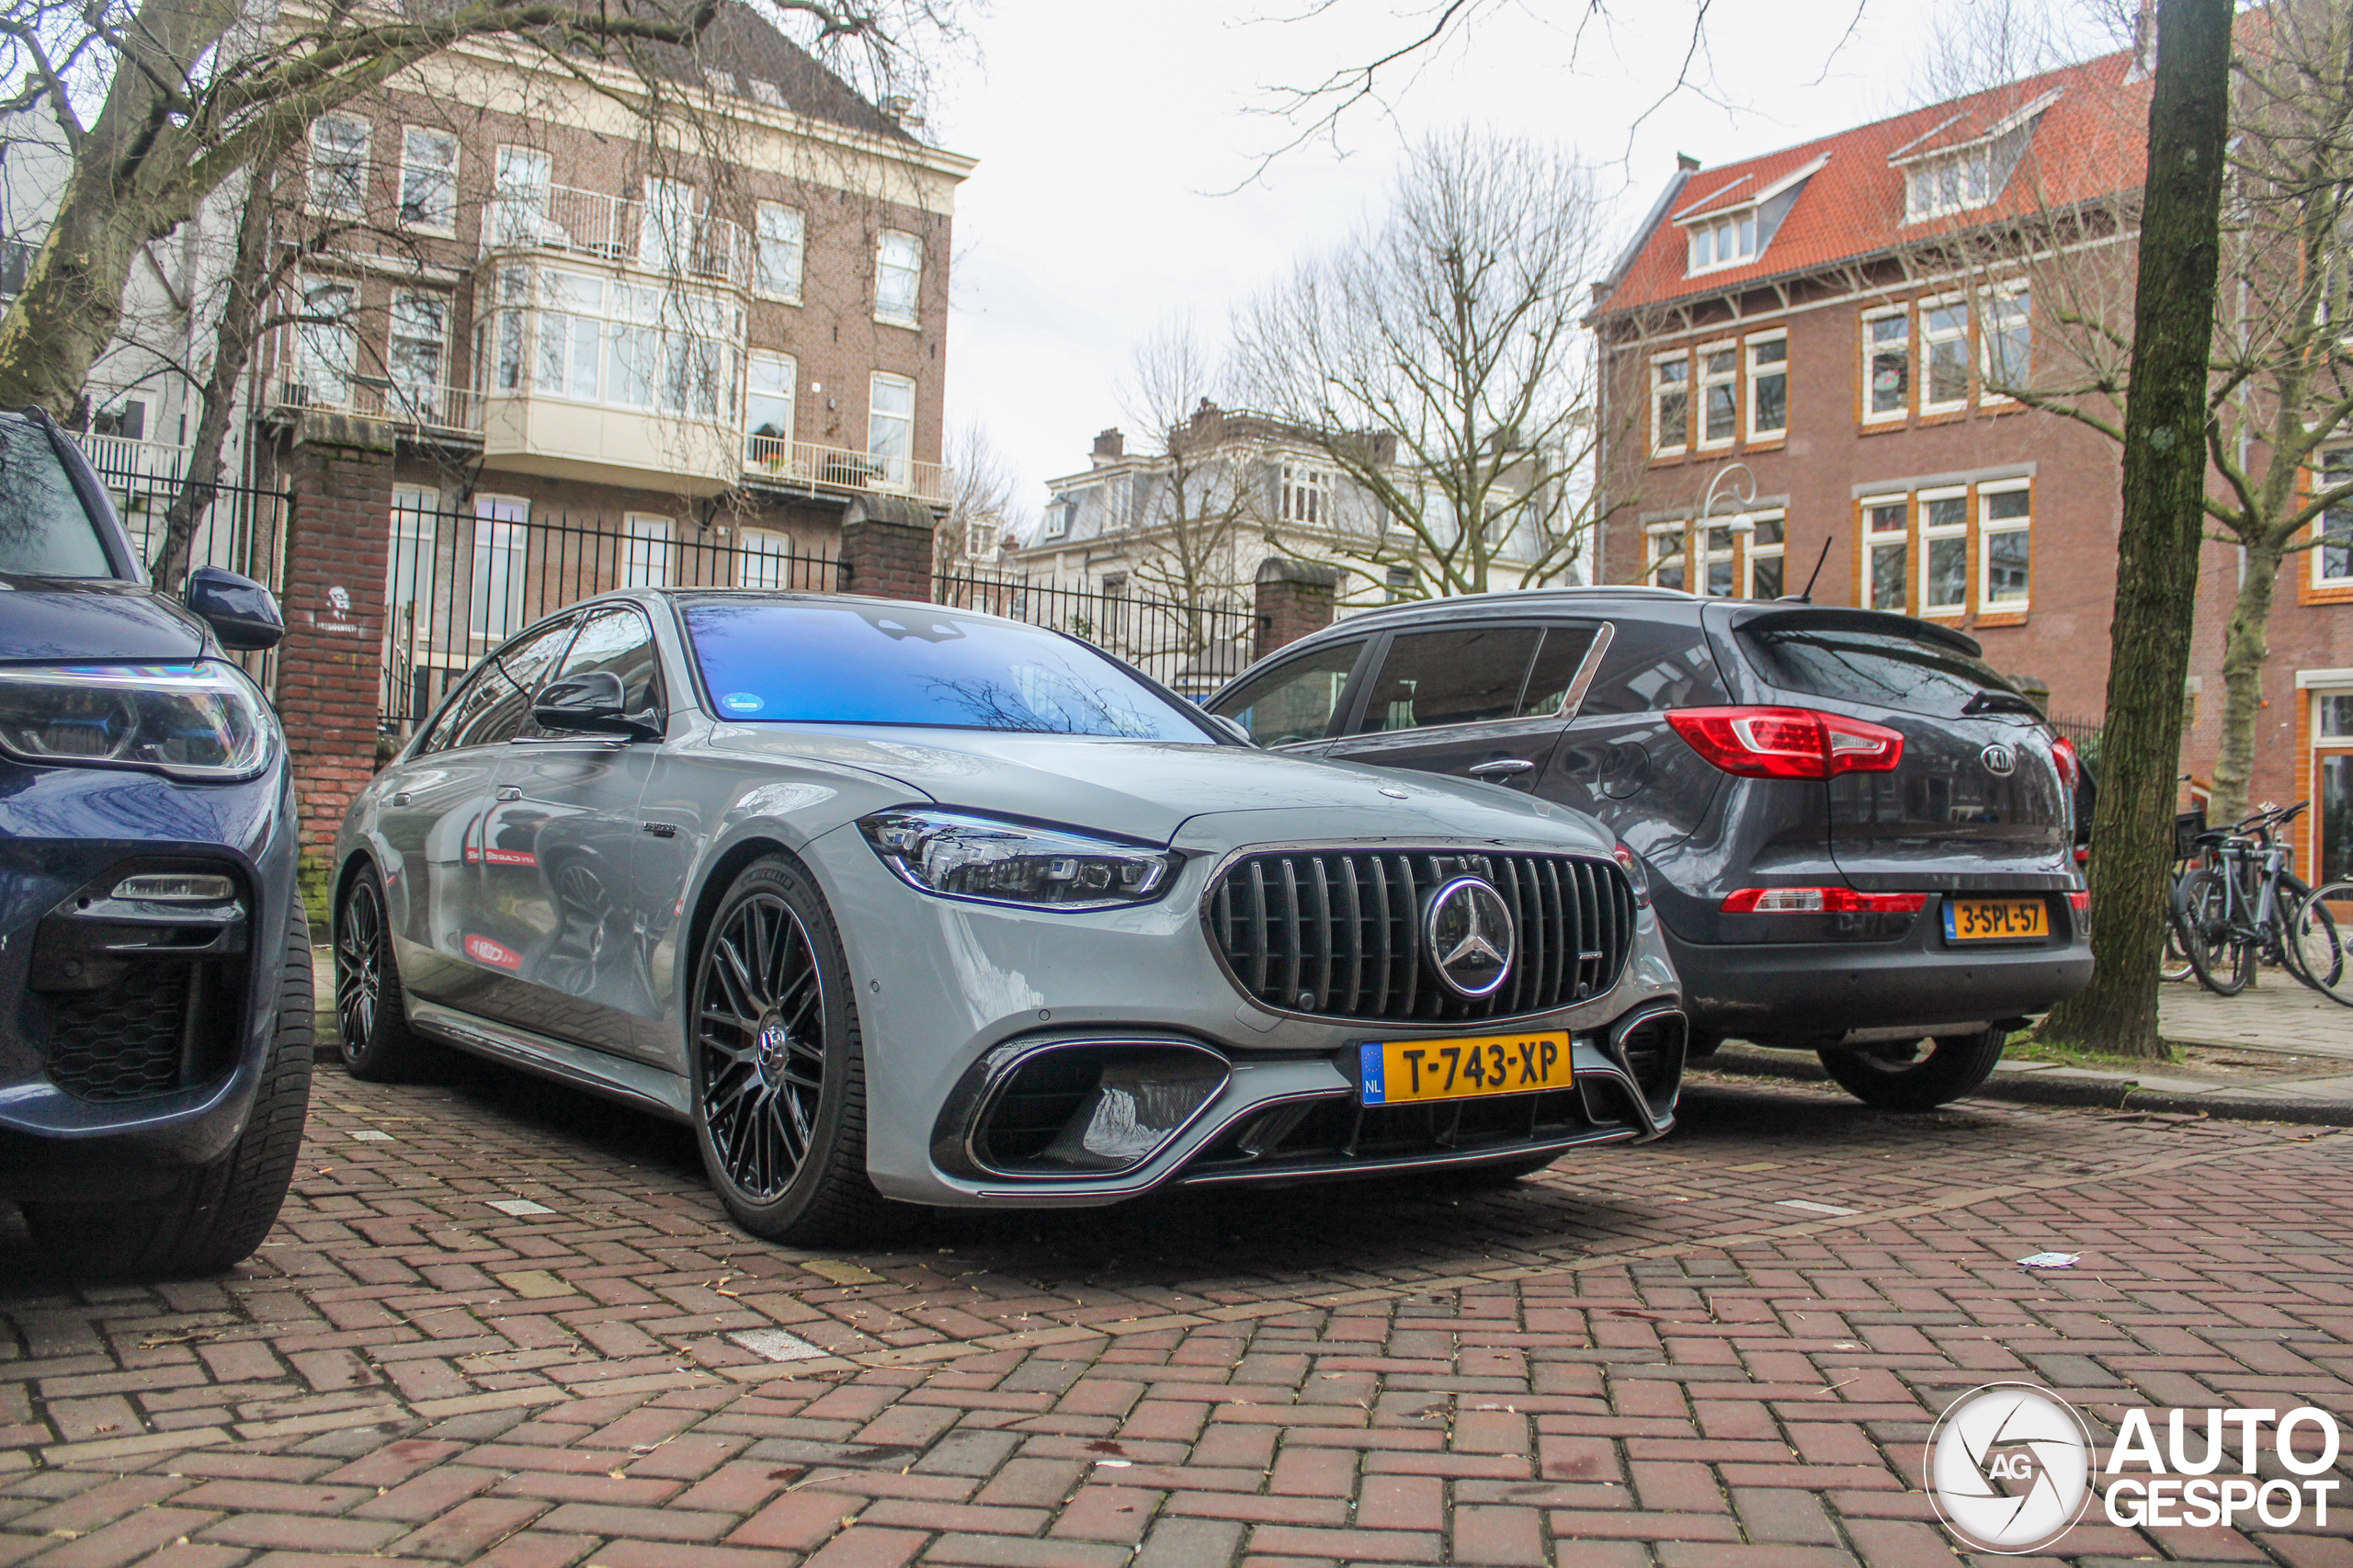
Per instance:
x=2241, y=906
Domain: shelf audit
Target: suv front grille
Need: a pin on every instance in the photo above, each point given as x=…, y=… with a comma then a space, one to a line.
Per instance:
x=1338, y=932
x=124, y=1043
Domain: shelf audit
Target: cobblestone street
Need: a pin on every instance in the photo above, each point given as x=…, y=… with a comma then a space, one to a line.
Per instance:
x=1726, y=1348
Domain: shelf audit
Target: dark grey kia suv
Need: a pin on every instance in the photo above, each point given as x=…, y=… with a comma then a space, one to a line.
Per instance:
x=1861, y=838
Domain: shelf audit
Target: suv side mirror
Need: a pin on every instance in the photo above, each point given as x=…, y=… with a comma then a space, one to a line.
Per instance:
x=242, y=613
x=593, y=702
x=1234, y=727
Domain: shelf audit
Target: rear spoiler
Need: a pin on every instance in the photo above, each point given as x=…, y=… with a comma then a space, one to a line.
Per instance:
x=1798, y=615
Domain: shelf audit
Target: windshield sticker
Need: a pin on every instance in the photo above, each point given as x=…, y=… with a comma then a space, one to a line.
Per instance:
x=742, y=702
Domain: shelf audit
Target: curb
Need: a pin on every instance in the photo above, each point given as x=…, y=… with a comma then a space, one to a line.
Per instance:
x=2121, y=1094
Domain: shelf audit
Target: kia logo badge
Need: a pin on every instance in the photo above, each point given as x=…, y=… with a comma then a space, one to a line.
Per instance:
x=1999, y=760
x=1468, y=933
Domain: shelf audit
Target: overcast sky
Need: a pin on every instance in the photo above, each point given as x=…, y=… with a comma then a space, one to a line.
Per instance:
x=1112, y=136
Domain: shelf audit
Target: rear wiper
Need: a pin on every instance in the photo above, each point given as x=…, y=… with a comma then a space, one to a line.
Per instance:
x=1999, y=703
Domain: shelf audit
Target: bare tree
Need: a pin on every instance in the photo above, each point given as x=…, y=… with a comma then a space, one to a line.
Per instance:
x=188, y=93
x=981, y=504
x=1438, y=362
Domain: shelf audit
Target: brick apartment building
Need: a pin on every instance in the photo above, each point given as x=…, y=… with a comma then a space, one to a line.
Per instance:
x=1799, y=312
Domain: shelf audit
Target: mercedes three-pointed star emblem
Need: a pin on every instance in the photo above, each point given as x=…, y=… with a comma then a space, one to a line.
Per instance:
x=1468, y=935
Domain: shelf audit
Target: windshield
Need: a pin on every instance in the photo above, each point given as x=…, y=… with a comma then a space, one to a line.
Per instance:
x=897, y=663
x=44, y=530
x=1890, y=669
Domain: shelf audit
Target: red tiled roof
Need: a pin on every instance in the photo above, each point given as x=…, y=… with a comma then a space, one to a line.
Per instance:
x=2092, y=141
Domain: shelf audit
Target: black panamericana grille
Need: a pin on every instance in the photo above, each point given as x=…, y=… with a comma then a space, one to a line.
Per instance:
x=1338, y=932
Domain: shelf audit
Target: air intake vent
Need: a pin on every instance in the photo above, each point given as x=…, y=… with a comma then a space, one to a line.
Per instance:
x=1339, y=933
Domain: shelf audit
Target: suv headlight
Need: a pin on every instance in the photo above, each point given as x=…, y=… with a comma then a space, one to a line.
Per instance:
x=962, y=855
x=203, y=721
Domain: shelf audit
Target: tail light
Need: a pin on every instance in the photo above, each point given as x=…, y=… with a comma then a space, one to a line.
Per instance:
x=2070, y=766
x=1787, y=743
x=1821, y=901
x=2080, y=901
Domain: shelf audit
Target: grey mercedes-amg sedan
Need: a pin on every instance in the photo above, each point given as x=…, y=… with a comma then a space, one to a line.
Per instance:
x=893, y=902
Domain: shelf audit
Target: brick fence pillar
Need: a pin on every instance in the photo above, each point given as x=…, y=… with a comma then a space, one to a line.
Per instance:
x=330, y=667
x=887, y=548
x=1294, y=597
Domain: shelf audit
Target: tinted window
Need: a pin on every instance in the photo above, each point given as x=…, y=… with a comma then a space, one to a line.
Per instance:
x=1473, y=675
x=619, y=641
x=44, y=530
x=1292, y=702
x=910, y=663
x=497, y=700
x=1651, y=667
x=1888, y=669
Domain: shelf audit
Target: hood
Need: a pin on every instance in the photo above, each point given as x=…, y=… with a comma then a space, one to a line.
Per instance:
x=1151, y=789
x=51, y=618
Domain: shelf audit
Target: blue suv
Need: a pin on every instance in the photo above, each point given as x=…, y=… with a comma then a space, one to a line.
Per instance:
x=155, y=957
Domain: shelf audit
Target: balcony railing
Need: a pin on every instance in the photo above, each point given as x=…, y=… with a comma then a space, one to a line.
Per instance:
x=128, y=457
x=778, y=461
x=418, y=404
x=655, y=236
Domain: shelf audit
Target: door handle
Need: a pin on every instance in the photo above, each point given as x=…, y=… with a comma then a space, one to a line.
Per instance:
x=399, y=798
x=1502, y=765
x=507, y=793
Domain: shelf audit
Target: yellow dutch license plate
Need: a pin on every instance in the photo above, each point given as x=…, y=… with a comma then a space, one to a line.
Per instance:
x=1996, y=919
x=1400, y=1072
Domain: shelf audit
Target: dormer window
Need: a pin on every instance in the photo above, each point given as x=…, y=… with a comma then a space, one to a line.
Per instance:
x=1725, y=243
x=1956, y=167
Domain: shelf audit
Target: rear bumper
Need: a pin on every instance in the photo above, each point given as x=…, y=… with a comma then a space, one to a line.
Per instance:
x=1807, y=994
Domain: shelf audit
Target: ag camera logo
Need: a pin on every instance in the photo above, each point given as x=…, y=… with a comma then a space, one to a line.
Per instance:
x=2010, y=1468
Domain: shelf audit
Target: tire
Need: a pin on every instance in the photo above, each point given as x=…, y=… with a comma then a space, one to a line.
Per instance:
x=370, y=1007
x=2175, y=964
x=2324, y=960
x=217, y=1215
x=777, y=1065
x=2201, y=905
x=1889, y=1080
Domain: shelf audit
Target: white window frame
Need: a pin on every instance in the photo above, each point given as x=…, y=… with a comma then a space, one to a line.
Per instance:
x=1706, y=381
x=327, y=355
x=413, y=522
x=1929, y=193
x=1987, y=527
x=787, y=229
x=875, y=418
x=1757, y=371
x=898, y=264
x=1754, y=552
x=1061, y=511
x=646, y=558
x=763, y=559
x=1896, y=539
x=447, y=171
x=395, y=362
x=1657, y=396
x=517, y=212
x=1731, y=236
x=1663, y=548
x=2336, y=463
x=788, y=370
x=1923, y=379
x=326, y=201
x=1872, y=415
x=1993, y=312
x=1303, y=494
x=1930, y=535
x=502, y=555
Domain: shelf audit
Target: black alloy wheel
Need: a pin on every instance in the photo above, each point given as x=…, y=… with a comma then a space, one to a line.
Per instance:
x=377, y=1043
x=778, y=1066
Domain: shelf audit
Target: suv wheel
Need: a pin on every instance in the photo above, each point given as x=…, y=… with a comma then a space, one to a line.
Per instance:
x=370, y=1010
x=217, y=1215
x=778, y=1066
x=1900, y=1078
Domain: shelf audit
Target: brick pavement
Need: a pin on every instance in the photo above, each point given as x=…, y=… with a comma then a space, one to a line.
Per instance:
x=1645, y=1357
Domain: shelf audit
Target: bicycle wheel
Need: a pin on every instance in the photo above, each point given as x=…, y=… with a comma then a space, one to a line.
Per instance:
x=2322, y=961
x=2175, y=964
x=2223, y=963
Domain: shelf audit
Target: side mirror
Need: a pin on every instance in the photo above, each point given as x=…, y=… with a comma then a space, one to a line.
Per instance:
x=1234, y=727
x=591, y=702
x=242, y=613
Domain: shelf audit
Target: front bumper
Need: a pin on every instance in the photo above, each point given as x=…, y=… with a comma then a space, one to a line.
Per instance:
x=97, y=1099
x=946, y=987
x=1812, y=993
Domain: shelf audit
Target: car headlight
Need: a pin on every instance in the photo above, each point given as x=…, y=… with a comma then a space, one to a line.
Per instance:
x=1009, y=862
x=195, y=721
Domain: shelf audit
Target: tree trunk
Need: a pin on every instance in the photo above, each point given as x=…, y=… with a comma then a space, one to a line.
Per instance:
x=72, y=301
x=2246, y=647
x=232, y=343
x=2157, y=576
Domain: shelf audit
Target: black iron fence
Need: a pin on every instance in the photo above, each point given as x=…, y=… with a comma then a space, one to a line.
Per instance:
x=458, y=583
x=1192, y=648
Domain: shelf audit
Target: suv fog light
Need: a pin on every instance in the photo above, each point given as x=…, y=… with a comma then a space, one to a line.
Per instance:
x=175, y=887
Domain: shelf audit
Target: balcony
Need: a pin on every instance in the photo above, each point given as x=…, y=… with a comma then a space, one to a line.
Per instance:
x=653, y=238
x=772, y=459
x=423, y=409
x=126, y=457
